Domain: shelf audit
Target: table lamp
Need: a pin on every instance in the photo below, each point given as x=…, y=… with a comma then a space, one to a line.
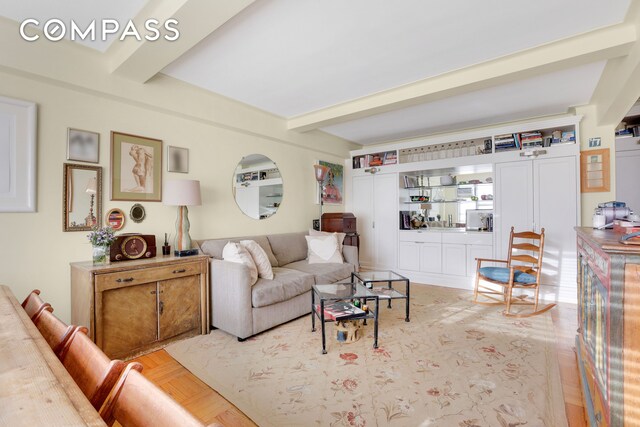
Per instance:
x=182, y=193
x=92, y=188
x=321, y=173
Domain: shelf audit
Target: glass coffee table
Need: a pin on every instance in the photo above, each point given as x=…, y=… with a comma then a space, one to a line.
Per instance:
x=370, y=278
x=323, y=294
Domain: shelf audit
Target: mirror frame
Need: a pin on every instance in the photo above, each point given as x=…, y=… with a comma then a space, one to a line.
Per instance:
x=254, y=176
x=68, y=168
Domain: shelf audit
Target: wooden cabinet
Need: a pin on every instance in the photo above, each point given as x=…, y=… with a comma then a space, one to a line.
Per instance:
x=342, y=222
x=609, y=321
x=135, y=306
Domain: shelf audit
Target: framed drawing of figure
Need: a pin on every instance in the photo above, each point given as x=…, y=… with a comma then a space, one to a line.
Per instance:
x=136, y=168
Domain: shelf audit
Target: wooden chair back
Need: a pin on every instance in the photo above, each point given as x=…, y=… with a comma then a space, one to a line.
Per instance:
x=34, y=305
x=91, y=369
x=533, y=244
x=136, y=402
x=54, y=330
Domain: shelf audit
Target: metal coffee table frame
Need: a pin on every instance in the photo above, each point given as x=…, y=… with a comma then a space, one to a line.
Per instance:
x=342, y=292
x=369, y=278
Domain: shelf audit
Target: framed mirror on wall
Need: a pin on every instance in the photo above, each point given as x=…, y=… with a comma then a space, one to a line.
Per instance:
x=82, y=197
x=257, y=186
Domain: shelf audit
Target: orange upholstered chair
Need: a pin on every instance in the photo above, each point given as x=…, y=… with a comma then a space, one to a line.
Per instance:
x=34, y=305
x=54, y=330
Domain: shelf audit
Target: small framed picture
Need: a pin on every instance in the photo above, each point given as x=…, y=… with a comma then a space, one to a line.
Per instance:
x=83, y=145
x=178, y=159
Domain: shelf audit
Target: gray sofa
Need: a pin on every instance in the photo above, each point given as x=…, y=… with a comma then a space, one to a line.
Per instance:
x=244, y=310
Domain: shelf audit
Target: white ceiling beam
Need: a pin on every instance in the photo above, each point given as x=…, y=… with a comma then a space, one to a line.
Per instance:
x=141, y=60
x=598, y=45
x=619, y=86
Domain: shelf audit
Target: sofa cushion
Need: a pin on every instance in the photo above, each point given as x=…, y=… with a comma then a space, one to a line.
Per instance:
x=286, y=284
x=323, y=249
x=260, y=258
x=213, y=247
x=235, y=252
x=501, y=274
x=288, y=247
x=339, y=236
x=324, y=273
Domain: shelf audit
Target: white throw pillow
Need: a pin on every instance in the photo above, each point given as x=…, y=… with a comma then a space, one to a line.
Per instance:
x=260, y=258
x=339, y=236
x=235, y=252
x=323, y=249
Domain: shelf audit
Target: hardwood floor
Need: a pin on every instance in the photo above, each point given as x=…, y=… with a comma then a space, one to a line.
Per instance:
x=209, y=406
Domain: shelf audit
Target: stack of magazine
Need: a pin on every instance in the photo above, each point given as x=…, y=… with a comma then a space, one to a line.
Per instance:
x=340, y=310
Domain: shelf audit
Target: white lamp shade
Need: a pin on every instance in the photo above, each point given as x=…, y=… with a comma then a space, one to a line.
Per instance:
x=92, y=185
x=184, y=192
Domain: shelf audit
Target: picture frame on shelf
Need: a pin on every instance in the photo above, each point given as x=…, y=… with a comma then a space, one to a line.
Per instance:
x=18, y=124
x=177, y=159
x=333, y=184
x=136, y=168
x=83, y=146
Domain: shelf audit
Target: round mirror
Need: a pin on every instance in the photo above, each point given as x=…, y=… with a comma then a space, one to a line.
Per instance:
x=257, y=186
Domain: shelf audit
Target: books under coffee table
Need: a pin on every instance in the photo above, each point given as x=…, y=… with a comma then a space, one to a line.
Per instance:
x=370, y=278
x=333, y=302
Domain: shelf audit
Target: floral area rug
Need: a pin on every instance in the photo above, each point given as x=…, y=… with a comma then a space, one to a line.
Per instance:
x=455, y=364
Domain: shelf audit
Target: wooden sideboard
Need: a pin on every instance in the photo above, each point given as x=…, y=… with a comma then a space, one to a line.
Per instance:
x=342, y=222
x=132, y=307
x=609, y=327
x=36, y=389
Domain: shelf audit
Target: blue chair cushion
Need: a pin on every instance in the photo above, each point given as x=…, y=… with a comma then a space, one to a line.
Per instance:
x=501, y=274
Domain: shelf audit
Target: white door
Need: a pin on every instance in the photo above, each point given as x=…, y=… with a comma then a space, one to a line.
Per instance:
x=556, y=210
x=431, y=257
x=385, y=209
x=362, y=196
x=477, y=251
x=247, y=199
x=409, y=256
x=513, y=202
x=628, y=172
x=454, y=259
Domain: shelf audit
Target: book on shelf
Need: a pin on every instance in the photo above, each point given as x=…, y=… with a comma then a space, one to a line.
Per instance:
x=340, y=310
x=384, y=293
x=375, y=159
x=390, y=158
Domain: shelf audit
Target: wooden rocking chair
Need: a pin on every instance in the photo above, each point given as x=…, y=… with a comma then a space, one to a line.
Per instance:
x=522, y=271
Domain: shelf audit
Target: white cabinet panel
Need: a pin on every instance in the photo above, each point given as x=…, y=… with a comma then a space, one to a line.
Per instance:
x=420, y=236
x=477, y=251
x=556, y=210
x=431, y=257
x=513, y=202
x=385, y=208
x=374, y=204
x=454, y=259
x=409, y=256
x=362, y=195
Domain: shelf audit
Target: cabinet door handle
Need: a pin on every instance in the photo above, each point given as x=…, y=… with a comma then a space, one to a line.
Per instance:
x=129, y=279
x=182, y=270
x=161, y=307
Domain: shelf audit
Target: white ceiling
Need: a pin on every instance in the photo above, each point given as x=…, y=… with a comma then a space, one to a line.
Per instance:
x=82, y=12
x=547, y=94
x=293, y=57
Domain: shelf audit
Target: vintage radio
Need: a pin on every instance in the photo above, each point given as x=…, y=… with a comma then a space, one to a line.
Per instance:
x=133, y=246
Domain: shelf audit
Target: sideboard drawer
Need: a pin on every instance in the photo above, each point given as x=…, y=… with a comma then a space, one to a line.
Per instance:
x=136, y=277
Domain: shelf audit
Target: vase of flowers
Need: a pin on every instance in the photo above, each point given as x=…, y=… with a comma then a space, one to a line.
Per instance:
x=101, y=240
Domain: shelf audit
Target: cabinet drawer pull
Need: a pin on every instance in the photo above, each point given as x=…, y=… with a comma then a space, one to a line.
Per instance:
x=182, y=270
x=130, y=279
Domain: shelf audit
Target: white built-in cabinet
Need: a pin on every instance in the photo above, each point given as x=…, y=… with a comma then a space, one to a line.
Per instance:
x=532, y=194
x=375, y=205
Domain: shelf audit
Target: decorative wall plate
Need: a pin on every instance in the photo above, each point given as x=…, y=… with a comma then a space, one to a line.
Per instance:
x=137, y=213
x=115, y=219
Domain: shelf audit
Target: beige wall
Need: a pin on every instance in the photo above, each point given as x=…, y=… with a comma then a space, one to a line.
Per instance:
x=35, y=253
